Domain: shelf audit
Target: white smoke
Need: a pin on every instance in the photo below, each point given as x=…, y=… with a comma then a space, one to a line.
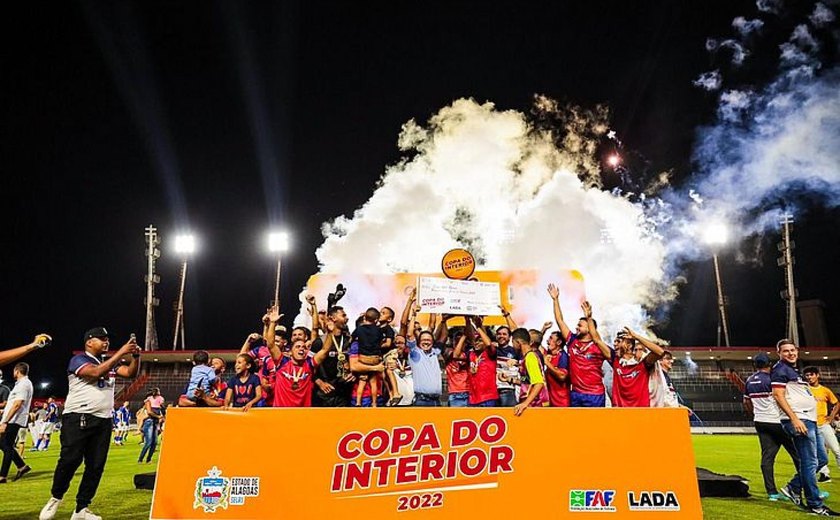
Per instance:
x=517, y=196
x=709, y=80
x=745, y=27
x=822, y=15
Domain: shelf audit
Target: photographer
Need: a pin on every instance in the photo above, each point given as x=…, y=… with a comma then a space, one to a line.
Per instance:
x=86, y=425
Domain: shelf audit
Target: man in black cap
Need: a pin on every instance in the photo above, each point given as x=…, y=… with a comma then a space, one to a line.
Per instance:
x=758, y=398
x=86, y=423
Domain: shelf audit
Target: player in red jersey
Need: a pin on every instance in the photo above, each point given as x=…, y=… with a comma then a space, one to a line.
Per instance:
x=293, y=378
x=633, y=361
x=585, y=357
x=482, y=378
x=557, y=371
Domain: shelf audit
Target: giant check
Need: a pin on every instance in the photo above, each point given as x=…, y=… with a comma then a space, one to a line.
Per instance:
x=444, y=296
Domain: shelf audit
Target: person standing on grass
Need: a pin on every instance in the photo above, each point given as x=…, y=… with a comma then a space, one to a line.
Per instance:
x=86, y=424
x=799, y=420
x=15, y=417
x=153, y=405
x=827, y=410
x=758, y=398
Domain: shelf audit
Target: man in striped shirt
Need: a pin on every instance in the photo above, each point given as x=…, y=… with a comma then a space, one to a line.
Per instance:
x=758, y=398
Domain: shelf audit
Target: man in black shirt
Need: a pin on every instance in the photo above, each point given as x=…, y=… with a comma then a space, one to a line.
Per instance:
x=333, y=380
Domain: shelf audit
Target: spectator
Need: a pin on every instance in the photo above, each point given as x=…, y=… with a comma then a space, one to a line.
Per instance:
x=40, y=419
x=4, y=392
x=154, y=413
x=367, y=340
x=86, y=424
x=14, y=418
x=202, y=376
x=825, y=417
x=243, y=389
x=662, y=391
x=585, y=358
x=758, y=398
x=507, y=367
x=48, y=425
x=799, y=420
x=397, y=358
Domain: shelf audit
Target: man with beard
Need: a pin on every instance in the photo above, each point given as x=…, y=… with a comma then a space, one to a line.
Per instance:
x=333, y=379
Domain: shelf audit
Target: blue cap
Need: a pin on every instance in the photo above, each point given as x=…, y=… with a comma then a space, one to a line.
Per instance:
x=761, y=360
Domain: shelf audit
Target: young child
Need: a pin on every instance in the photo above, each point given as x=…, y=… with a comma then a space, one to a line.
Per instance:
x=202, y=377
x=243, y=389
x=368, y=337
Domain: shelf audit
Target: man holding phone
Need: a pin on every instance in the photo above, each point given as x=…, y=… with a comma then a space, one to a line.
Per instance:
x=86, y=424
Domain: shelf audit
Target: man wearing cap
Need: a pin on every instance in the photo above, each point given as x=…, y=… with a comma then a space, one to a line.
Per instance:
x=758, y=398
x=86, y=423
x=12, y=355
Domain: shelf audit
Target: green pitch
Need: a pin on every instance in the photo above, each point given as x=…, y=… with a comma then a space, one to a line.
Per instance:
x=117, y=498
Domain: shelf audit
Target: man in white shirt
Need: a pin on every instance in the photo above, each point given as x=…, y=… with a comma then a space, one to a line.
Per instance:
x=15, y=417
x=86, y=423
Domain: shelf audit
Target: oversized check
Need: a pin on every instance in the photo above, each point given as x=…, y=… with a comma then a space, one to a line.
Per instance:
x=444, y=296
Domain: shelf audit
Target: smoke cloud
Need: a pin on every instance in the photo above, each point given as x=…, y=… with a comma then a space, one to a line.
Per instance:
x=524, y=192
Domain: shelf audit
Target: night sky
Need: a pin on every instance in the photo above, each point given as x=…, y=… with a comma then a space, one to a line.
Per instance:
x=227, y=118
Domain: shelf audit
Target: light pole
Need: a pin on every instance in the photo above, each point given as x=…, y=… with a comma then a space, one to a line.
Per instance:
x=716, y=235
x=278, y=243
x=184, y=246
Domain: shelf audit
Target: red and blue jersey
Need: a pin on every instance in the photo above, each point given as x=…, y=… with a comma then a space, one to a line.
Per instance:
x=631, y=383
x=585, y=366
x=293, y=383
x=558, y=391
x=243, y=391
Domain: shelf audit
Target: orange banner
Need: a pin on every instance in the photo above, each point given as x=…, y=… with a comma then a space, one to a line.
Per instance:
x=299, y=463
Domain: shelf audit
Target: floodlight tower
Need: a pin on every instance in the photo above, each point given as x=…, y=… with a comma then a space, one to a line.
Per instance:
x=716, y=235
x=184, y=246
x=278, y=243
x=790, y=293
x=152, y=279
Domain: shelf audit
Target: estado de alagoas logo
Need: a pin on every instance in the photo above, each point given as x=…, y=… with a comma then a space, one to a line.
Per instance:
x=405, y=459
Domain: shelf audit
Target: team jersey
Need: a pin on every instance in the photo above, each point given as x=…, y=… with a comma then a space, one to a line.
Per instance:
x=532, y=373
x=507, y=368
x=52, y=413
x=243, y=391
x=631, y=381
x=797, y=392
x=85, y=395
x=293, y=383
x=457, y=376
x=558, y=391
x=758, y=391
x=123, y=415
x=482, y=377
x=824, y=397
x=585, y=371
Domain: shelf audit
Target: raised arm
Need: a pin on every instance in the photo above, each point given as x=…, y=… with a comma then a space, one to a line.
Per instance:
x=329, y=341
x=511, y=323
x=12, y=355
x=655, y=350
x=246, y=347
x=596, y=336
x=491, y=345
x=96, y=372
x=313, y=311
x=409, y=304
x=554, y=292
x=272, y=315
x=441, y=331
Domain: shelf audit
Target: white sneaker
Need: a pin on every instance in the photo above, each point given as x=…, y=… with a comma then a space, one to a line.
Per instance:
x=85, y=514
x=49, y=510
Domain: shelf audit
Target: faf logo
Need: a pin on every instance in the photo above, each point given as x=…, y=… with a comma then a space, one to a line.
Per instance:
x=217, y=492
x=591, y=500
x=653, y=501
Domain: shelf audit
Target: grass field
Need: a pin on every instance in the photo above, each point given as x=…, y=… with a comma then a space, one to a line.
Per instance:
x=117, y=499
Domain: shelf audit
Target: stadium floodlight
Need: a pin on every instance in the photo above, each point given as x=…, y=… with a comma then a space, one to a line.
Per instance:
x=44, y=385
x=716, y=234
x=185, y=244
x=614, y=160
x=278, y=243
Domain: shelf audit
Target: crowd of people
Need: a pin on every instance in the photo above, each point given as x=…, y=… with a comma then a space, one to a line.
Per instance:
x=382, y=361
